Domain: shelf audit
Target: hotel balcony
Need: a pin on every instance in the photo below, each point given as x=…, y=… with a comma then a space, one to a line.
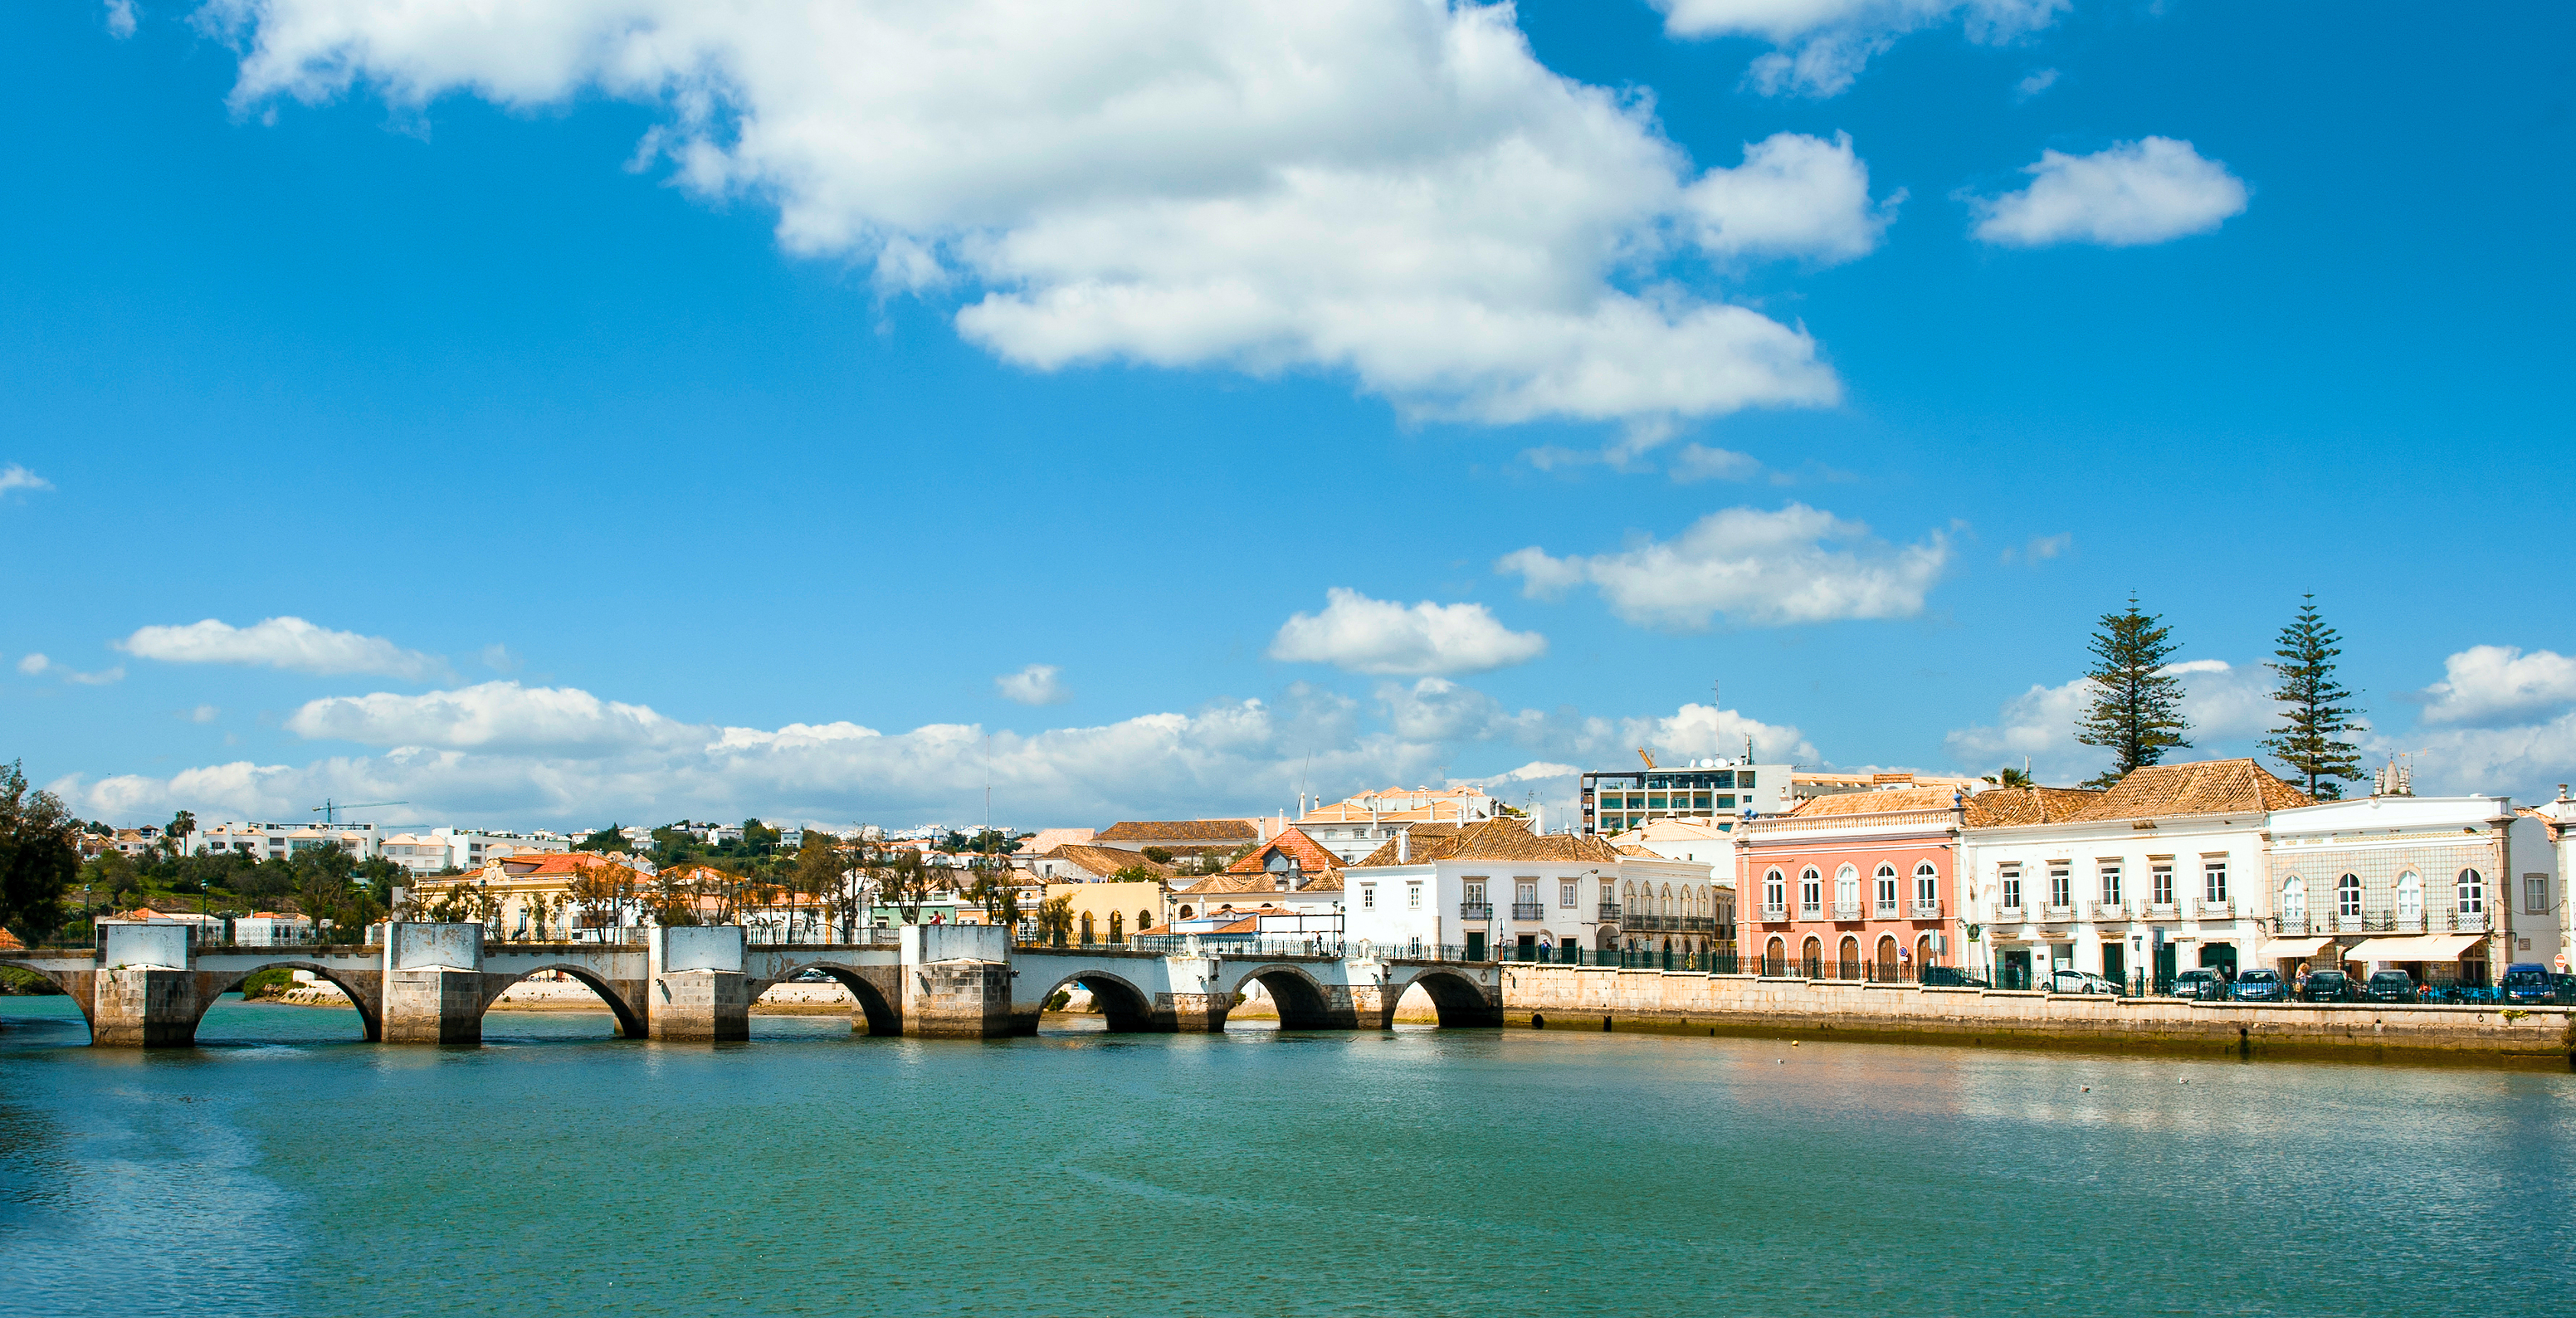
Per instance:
x=1923, y=911
x=2110, y=911
x=1529, y=910
x=1475, y=910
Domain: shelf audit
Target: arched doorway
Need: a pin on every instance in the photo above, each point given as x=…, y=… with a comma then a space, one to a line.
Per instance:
x=1088, y=937
x=1813, y=957
x=1775, y=957
x=1887, y=952
x=1923, y=954
x=1848, y=956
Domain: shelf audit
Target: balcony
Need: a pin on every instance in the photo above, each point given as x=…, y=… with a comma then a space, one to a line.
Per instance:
x=1775, y=914
x=1923, y=911
x=2057, y=914
x=2217, y=910
x=1885, y=911
x=1609, y=912
x=1475, y=910
x=2110, y=911
x=2291, y=925
x=2470, y=922
x=2009, y=915
x=1846, y=910
x=2163, y=911
x=1699, y=924
x=1811, y=912
x=1529, y=910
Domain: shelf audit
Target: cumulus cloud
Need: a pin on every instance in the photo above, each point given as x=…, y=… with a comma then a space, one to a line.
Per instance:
x=566, y=757
x=203, y=714
x=1795, y=565
x=1036, y=684
x=1794, y=195
x=2125, y=195
x=2224, y=702
x=1696, y=462
x=120, y=18
x=1822, y=45
x=2490, y=684
x=2040, y=548
x=2038, y=81
x=15, y=477
x=1364, y=635
x=289, y=643
x=36, y=665
x=1396, y=191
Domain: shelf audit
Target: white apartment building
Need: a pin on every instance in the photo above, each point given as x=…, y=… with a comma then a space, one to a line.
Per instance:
x=1495, y=887
x=2558, y=823
x=280, y=841
x=2451, y=889
x=1355, y=826
x=2164, y=872
x=467, y=849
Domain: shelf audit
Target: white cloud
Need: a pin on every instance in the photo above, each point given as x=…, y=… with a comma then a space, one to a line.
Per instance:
x=2040, y=80
x=1795, y=565
x=1698, y=463
x=15, y=477
x=2041, y=548
x=2124, y=195
x=1824, y=44
x=498, y=658
x=2488, y=684
x=289, y=643
x=2224, y=703
x=203, y=714
x=33, y=664
x=492, y=716
x=1398, y=191
x=103, y=677
x=120, y=18
x=1793, y=195
x=497, y=752
x=1364, y=635
x=2526, y=761
x=1036, y=684
x=36, y=665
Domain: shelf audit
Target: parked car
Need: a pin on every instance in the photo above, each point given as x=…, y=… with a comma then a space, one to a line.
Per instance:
x=2527, y=981
x=2259, y=986
x=2328, y=986
x=1950, y=977
x=2200, y=982
x=2391, y=986
x=2068, y=980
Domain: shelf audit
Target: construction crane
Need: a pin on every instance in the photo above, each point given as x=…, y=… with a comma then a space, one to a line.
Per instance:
x=1648, y=756
x=330, y=809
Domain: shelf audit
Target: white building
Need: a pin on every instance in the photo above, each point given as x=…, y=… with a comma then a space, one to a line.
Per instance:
x=280, y=841
x=1353, y=827
x=2451, y=889
x=1495, y=887
x=2162, y=873
x=468, y=849
x=2558, y=821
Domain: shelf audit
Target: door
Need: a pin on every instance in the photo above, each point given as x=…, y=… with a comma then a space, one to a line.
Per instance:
x=2016, y=968
x=2115, y=963
x=1476, y=946
x=2164, y=968
x=1529, y=947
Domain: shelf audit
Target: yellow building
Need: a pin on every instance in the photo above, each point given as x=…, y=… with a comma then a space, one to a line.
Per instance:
x=1112, y=912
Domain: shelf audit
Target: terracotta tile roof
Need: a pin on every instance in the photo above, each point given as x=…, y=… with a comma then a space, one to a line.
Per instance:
x=2208, y=787
x=1187, y=830
x=9, y=941
x=1632, y=849
x=1493, y=839
x=551, y=863
x=1309, y=854
x=1230, y=882
x=1877, y=802
x=2005, y=806
x=1104, y=861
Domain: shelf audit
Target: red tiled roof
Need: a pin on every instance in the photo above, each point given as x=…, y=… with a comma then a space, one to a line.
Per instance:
x=1190, y=830
x=2208, y=787
x=1306, y=851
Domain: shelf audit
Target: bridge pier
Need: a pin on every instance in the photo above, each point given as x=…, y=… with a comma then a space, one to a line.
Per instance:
x=143, y=995
x=698, y=993
x=956, y=981
x=433, y=985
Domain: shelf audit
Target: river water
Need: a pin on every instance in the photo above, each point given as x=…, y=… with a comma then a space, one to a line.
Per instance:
x=283, y=1167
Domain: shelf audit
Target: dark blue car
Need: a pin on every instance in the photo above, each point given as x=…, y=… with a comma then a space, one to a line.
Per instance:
x=2258, y=986
x=2527, y=981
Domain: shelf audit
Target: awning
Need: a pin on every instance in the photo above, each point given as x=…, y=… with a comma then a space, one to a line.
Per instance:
x=2420, y=947
x=2290, y=947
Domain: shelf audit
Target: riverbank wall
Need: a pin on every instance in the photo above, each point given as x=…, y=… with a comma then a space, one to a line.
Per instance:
x=1583, y=997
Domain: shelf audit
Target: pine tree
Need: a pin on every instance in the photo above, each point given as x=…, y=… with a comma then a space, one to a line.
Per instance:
x=2315, y=708
x=2137, y=707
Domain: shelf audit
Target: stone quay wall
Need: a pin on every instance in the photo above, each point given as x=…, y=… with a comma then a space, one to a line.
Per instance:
x=1572, y=997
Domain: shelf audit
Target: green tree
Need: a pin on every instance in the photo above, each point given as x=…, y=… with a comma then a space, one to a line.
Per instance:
x=1055, y=920
x=39, y=856
x=606, y=839
x=2009, y=776
x=2137, y=706
x=2315, y=708
x=182, y=825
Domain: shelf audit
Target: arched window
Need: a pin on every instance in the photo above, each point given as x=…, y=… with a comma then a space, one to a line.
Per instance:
x=1775, y=891
x=1117, y=927
x=1927, y=886
x=2294, y=900
x=1664, y=904
x=2473, y=893
x=1086, y=928
x=2410, y=898
x=1811, y=892
x=1144, y=921
x=1887, y=895
x=2348, y=895
x=1847, y=895
x=1185, y=912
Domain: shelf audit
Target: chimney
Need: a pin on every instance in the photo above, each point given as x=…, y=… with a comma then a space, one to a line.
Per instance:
x=1538, y=820
x=1404, y=846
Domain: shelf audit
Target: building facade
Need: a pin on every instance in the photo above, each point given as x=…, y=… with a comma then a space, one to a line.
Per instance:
x=1355, y=826
x=2449, y=889
x=1855, y=885
x=1496, y=888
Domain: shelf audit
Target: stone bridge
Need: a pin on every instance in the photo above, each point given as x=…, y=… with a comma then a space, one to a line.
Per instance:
x=148, y=986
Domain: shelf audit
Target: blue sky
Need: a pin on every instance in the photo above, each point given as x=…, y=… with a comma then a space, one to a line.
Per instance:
x=707, y=438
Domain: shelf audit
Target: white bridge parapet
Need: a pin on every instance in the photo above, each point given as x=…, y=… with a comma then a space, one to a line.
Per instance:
x=148, y=986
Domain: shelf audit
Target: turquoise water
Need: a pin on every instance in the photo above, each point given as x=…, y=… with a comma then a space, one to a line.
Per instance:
x=287, y=1168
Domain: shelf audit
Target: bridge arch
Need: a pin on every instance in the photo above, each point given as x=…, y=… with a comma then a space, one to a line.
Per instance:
x=70, y=985
x=630, y=1025
x=1460, y=1002
x=368, y=999
x=1303, y=1003
x=1127, y=1008
x=882, y=1017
